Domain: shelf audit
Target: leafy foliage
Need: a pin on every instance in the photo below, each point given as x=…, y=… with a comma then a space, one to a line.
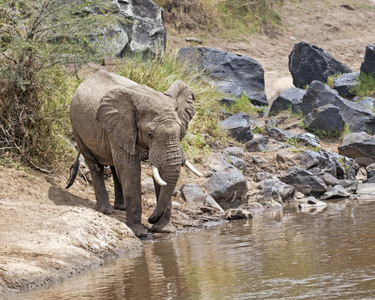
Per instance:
x=37, y=39
x=365, y=86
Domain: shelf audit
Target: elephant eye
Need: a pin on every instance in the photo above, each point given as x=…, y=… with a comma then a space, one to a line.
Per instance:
x=149, y=135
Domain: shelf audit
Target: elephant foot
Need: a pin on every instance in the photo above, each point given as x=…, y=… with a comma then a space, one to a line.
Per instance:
x=119, y=206
x=103, y=208
x=163, y=228
x=138, y=229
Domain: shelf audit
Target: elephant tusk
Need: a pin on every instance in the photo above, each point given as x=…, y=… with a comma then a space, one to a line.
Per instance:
x=156, y=175
x=191, y=168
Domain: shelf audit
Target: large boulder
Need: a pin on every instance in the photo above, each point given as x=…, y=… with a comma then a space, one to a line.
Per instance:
x=289, y=99
x=238, y=126
x=228, y=187
x=308, y=62
x=363, y=151
x=319, y=94
x=140, y=30
x=304, y=181
x=233, y=74
x=368, y=66
x=327, y=118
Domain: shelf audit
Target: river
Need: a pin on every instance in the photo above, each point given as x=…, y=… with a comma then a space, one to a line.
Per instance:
x=326, y=254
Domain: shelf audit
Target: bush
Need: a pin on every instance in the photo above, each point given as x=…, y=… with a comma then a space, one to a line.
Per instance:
x=37, y=39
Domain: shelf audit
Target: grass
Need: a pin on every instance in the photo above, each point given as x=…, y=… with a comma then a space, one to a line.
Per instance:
x=365, y=86
x=243, y=104
x=330, y=80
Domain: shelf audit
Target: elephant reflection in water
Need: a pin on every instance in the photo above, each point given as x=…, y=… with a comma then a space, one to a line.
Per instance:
x=118, y=123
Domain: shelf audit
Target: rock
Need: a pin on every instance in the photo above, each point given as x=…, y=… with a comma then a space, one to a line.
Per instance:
x=330, y=180
x=239, y=163
x=338, y=191
x=140, y=30
x=361, y=175
x=233, y=74
x=366, y=102
x=368, y=66
x=289, y=99
x=238, y=127
x=309, y=159
x=310, y=202
x=235, y=151
x=260, y=176
x=370, y=169
x=210, y=201
x=279, y=134
x=304, y=181
x=257, y=145
x=370, y=125
x=255, y=206
x=362, y=151
x=327, y=118
x=308, y=62
x=345, y=83
x=228, y=187
x=194, y=40
x=257, y=159
x=237, y=214
x=273, y=189
x=308, y=139
x=320, y=94
x=192, y=193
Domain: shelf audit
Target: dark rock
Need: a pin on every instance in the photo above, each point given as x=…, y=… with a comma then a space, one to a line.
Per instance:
x=235, y=151
x=304, y=181
x=238, y=127
x=362, y=151
x=239, y=163
x=308, y=139
x=192, y=193
x=260, y=176
x=276, y=190
x=338, y=191
x=368, y=66
x=237, y=214
x=330, y=180
x=228, y=187
x=309, y=159
x=370, y=125
x=288, y=100
x=327, y=118
x=320, y=94
x=308, y=62
x=370, y=169
x=139, y=31
x=257, y=159
x=233, y=74
x=279, y=134
x=345, y=83
x=257, y=145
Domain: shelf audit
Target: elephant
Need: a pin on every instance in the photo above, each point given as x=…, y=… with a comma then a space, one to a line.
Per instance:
x=117, y=122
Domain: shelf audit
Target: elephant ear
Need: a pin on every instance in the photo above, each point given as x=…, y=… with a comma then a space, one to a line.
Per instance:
x=185, y=103
x=118, y=113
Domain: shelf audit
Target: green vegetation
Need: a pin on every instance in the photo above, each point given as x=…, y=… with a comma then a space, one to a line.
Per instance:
x=366, y=86
x=38, y=41
x=330, y=80
x=243, y=104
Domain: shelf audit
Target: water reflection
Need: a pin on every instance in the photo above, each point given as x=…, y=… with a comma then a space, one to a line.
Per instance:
x=295, y=255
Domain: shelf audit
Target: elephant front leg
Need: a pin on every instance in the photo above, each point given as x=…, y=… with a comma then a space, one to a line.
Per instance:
x=129, y=176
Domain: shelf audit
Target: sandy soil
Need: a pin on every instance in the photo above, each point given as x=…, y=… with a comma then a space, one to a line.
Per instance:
x=49, y=233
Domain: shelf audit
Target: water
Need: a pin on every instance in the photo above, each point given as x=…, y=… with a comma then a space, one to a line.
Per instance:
x=328, y=254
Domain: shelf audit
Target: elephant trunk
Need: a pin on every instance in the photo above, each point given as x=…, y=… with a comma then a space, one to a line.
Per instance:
x=168, y=165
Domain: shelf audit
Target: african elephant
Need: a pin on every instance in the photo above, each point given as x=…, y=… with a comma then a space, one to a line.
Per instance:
x=118, y=123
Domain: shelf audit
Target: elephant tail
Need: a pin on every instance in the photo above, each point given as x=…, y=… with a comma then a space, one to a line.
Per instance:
x=73, y=171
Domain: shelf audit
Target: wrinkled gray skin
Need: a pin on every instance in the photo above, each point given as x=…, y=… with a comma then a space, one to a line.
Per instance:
x=118, y=122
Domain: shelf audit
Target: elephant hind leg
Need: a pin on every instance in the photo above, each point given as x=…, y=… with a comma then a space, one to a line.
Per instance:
x=102, y=199
x=119, y=196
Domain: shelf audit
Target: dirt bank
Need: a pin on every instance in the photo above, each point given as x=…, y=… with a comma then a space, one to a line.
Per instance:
x=49, y=233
